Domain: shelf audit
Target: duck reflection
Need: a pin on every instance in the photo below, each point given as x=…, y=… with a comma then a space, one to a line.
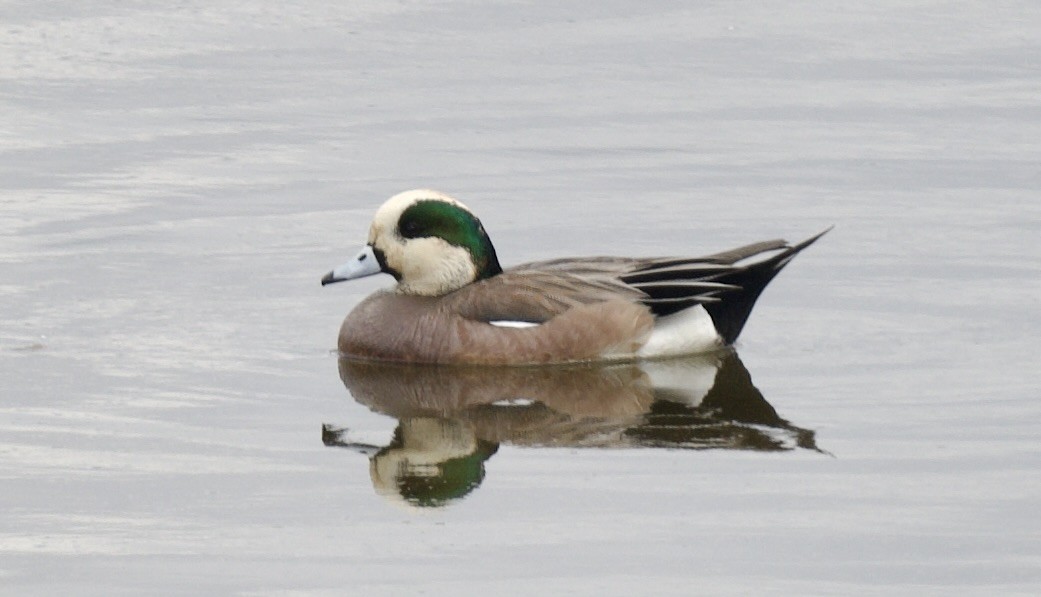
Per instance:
x=452, y=419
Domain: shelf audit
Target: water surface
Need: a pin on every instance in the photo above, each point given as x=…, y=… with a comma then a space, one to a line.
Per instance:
x=177, y=178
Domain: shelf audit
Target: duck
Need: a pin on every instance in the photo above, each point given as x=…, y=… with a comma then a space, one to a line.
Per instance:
x=453, y=304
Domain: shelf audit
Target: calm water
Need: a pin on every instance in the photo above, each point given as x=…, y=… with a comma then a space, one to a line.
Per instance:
x=175, y=179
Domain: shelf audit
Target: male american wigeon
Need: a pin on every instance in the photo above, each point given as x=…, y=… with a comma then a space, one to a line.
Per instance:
x=454, y=303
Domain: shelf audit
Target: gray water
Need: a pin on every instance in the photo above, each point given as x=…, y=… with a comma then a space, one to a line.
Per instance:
x=175, y=179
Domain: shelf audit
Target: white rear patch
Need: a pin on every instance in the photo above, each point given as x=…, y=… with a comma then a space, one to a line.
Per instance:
x=689, y=331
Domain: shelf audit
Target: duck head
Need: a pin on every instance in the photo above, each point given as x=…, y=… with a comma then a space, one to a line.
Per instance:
x=431, y=243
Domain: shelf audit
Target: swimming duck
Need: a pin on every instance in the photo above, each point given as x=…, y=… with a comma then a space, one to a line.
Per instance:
x=454, y=304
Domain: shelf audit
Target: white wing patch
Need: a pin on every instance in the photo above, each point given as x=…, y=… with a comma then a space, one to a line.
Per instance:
x=513, y=402
x=513, y=324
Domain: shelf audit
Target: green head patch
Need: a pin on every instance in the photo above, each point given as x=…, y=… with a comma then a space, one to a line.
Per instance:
x=456, y=226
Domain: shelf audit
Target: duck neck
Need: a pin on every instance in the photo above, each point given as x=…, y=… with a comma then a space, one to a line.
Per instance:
x=486, y=261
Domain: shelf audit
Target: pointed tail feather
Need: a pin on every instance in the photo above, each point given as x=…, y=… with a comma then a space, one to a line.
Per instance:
x=730, y=314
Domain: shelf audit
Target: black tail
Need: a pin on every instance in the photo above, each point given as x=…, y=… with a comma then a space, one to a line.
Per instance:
x=730, y=313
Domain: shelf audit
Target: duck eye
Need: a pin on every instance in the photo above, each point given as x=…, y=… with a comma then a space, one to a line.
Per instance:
x=410, y=229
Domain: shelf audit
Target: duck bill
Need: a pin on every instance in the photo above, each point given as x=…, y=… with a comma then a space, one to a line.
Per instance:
x=363, y=264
